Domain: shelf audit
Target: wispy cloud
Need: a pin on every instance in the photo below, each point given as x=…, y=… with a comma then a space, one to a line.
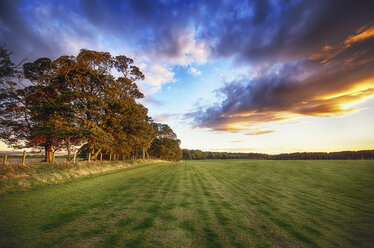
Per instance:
x=193, y=71
x=260, y=132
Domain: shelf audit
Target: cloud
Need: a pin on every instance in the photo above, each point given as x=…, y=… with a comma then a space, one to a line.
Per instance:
x=157, y=75
x=165, y=34
x=277, y=31
x=185, y=31
x=363, y=33
x=180, y=48
x=43, y=29
x=260, y=132
x=158, y=33
x=149, y=100
x=163, y=118
x=193, y=71
x=328, y=83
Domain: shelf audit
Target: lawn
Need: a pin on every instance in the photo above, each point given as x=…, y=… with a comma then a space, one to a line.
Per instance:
x=232, y=203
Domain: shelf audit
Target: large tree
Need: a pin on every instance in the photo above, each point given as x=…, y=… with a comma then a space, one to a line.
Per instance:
x=78, y=100
x=71, y=100
x=163, y=143
x=166, y=149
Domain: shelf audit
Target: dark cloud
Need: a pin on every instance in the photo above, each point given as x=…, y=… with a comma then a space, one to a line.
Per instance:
x=41, y=29
x=301, y=50
x=322, y=85
x=16, y=32
x=285, y=30
x=251, y=31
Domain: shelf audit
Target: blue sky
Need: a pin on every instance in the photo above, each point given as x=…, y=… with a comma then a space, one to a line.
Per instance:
x=248, y=76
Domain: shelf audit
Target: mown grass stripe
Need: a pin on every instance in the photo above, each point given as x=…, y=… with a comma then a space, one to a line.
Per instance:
x=233, y=203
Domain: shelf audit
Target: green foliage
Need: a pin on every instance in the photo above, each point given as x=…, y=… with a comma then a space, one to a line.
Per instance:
x=198, y=154
x=77, y=101
x=166, y=149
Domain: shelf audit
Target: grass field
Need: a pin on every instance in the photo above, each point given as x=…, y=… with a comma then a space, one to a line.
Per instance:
x=233, y=203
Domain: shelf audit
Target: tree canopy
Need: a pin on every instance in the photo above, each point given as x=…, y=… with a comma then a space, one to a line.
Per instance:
x=78, y=101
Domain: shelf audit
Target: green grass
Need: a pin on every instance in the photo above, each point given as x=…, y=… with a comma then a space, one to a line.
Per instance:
x=233, y=203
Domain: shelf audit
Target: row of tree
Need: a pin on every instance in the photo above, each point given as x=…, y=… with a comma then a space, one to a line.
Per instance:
x=364, y=154
x=78, y=102
x=198, y=154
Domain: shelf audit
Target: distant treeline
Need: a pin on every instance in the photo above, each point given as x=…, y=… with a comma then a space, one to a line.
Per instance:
x=198, y=154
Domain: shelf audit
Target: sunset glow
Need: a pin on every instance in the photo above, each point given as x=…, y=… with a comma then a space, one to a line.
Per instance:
x=297, y=74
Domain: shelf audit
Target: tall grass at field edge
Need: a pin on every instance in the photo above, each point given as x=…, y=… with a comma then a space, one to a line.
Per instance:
x=21, y=178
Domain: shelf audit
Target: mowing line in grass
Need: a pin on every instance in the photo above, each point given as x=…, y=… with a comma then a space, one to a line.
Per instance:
x=230, y=203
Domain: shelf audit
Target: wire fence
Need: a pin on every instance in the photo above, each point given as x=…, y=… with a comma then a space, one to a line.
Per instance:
x=6, y=159
x=9, y=159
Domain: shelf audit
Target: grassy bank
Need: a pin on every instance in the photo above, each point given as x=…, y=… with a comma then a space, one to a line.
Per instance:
x=15, y=177
x=232, y=203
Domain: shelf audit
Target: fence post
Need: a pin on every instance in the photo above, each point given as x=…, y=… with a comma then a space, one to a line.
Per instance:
x=4, y=159
x=24, y=158
x=75, y=156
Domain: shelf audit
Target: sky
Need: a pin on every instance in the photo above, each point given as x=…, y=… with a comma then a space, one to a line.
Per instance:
x=237, y=76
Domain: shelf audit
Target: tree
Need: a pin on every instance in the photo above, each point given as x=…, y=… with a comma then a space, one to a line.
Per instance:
x=166, y=149
x=48, y=103
x=98, y=100
x=77, y=101
x=12, y=126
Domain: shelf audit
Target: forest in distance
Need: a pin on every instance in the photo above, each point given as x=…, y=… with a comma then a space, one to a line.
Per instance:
x=198, y=154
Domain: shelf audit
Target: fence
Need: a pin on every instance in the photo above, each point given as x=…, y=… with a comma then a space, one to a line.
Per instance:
x=25, y=158
x=30, y=159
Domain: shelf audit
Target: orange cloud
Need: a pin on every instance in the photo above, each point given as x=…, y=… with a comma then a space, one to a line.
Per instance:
x=330, y=83
x=326, y=54
x=260, y=132
x=329, y=52
x=363, y=34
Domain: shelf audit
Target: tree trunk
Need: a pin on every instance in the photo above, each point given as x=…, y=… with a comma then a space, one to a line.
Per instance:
x=75, y=157
x=68, y=146
x=5, y=159
x=48, y=154
x=147, y=154
x=94, y=157
x=143, y=153
x=24, y=158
